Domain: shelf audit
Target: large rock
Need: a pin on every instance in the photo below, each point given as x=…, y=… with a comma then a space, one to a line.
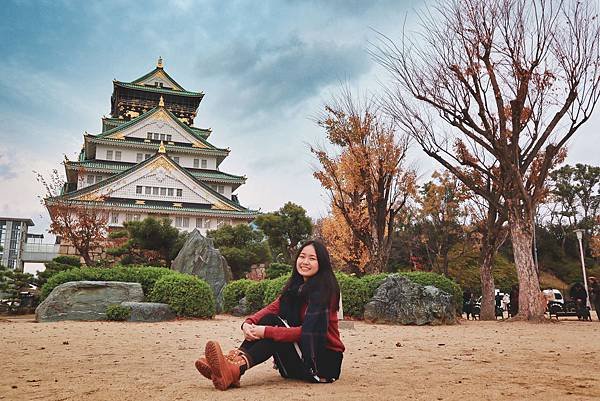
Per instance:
x=149, y=311
x=200, y=258
x=401, y=301
x=86, y=300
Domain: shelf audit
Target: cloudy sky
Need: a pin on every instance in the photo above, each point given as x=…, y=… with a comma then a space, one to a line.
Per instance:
x=266, y=68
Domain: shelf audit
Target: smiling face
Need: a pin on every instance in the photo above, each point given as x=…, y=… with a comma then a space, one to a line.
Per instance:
x=307, y=263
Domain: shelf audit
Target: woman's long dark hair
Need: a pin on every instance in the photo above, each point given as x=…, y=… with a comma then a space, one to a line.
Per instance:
x=323, y=281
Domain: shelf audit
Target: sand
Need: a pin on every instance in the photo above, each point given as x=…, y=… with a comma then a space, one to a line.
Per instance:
x=155, y=361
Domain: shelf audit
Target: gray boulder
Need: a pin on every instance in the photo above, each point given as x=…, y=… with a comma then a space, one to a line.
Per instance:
x=200, y=258
x=242, y=308
x=86, y=300
x=401, y=301
x=149, y=312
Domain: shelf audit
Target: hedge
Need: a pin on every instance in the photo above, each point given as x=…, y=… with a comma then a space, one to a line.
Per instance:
x=117, y=313
x=278, y=269
x=186, y=295
x=255, y=295
x=148, y=277
x=274, y=287
x=233, y=292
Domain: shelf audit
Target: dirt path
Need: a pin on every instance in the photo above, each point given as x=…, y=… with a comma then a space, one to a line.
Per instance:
x=154, y=361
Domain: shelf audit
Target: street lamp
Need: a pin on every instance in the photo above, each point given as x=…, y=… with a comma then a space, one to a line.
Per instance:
x=579, y=233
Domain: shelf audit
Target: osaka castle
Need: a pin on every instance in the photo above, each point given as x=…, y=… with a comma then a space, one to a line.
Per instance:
x=150, y=160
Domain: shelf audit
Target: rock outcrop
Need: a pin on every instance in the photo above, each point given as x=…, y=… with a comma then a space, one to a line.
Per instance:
x=398, y=300
x=86, y=300
x=200, y=258
x=149, y=312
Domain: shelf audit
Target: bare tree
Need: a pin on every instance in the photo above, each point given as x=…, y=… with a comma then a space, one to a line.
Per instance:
x=365, y=175
x=493, y=91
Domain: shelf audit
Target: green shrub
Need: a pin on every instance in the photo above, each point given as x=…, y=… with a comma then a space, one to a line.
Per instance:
x=255, y=295
x=355, y=294
x=373, y=281
x=277, y=270
x=233, y=292
x=68, y=260
x=437, y=280
x=274, y=287
x=186, y=295
x=146, y=276
x=118, y=313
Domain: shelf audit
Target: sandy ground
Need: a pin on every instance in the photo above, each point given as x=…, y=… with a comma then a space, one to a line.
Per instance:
x=154, y=361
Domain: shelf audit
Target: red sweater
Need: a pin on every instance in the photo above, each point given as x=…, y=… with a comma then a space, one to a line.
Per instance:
x=292, y=334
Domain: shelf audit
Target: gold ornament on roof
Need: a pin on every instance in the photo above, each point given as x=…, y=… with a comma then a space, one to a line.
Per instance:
x=161, y=102
x=161, y=148
x=159, y=63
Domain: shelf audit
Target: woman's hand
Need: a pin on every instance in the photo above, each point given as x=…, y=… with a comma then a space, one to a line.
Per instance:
x=248, y=330
x=253, y=332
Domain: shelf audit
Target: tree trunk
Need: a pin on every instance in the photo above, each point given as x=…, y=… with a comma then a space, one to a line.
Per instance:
x=531, y=304
x=488, y=301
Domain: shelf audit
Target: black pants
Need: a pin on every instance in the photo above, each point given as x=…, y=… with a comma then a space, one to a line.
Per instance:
x=288, y=362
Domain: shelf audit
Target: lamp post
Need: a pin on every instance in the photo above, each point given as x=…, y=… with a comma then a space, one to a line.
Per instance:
x=579, y=233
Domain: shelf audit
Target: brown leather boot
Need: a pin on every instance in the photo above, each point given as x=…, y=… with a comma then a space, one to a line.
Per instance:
x=204, y=368
x=225, y=373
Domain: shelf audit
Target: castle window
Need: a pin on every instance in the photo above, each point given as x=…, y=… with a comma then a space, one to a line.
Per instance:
x=154, y=190
x=90, y=179
x=180, y=193
x=118, y=155
x=196, y=163
x=156, y=136
x=204, y=163
x=221, y=189
x=148, y=191
x=170, y=191
x=198, y=222
x=176, y=159
x=169, y=138
x=109, y=155
x=98, y=178
x=149, y=136
x=163, y=191
x=114, y=218
x=163, y=137
x=139, y=157
x=138, y=189
x=178, y=221
x=136, y=217
x=207, y=223
x=147, y=156
x=186, y=222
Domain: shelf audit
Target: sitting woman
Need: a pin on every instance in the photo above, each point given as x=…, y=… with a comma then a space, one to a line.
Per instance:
x=299, y=329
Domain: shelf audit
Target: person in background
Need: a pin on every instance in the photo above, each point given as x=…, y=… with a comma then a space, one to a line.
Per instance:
x=468, y=303
x=579, y=296
x=595, y=295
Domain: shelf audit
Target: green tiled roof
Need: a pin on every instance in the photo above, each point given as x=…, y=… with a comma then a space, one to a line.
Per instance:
x=154, y=145
x=203, y=132
x=154, y=71
x=138, y=166
x=149, y=113
x=117, y=167
x=158, y=90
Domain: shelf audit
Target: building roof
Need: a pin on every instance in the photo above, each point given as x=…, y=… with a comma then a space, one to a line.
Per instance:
x=25, y=220
x=114, y=167
x=158, y=206
x=155, y=89
x=91, y=188
x=192, y=131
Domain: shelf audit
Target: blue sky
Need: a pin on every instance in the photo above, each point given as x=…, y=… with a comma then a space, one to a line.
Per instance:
x=266, y=68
